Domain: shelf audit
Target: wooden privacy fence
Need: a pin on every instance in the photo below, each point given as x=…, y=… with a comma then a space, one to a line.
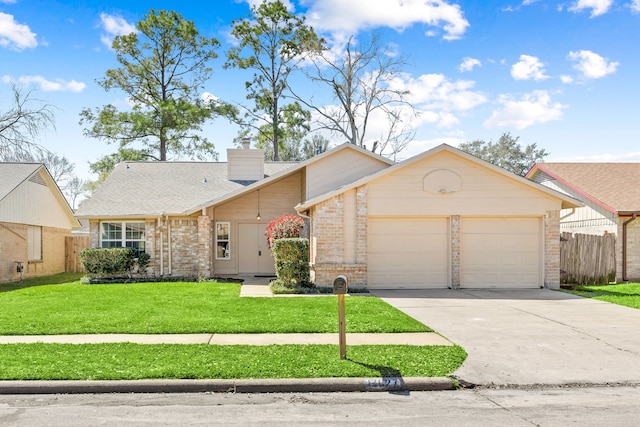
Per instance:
x=587, y=259
x=72, y=247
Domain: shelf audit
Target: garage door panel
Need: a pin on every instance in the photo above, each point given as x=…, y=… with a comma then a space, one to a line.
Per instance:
x=500, y=252
x=408, y=253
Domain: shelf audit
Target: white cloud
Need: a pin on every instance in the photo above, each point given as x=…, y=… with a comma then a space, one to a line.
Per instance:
x=45, y=85
x=592, y=65
x=15, y=36
x=528, y=68
x=566, y=79
x=114, y=26
x=437, y=98
x=598, y=7
x=469, y=63
x=436, y=91
x=533, y=108
x=355, y=15
x=635, y=5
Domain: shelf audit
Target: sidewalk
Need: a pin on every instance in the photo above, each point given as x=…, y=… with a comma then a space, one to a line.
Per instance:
x=411, y=338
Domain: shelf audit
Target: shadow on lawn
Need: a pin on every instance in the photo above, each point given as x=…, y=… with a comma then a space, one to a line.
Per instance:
x=57, y=279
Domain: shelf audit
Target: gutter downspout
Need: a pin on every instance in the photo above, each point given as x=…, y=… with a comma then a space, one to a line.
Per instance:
x=624, y=246
x=161, y=246
x=168, y=243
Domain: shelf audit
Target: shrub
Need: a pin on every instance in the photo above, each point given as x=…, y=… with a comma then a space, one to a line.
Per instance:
x=285, y=226
x=107, y=261
x=292, y=261
x=144, y=259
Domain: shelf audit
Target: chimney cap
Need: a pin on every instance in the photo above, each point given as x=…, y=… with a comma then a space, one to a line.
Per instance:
x=246, y=143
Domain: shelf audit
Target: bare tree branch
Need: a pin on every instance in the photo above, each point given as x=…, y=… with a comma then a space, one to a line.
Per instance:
x=23, y=123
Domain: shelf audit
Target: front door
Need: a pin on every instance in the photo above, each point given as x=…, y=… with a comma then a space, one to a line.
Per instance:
x=255, y=257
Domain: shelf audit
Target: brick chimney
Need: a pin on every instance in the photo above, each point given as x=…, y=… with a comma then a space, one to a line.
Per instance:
x=245, y=164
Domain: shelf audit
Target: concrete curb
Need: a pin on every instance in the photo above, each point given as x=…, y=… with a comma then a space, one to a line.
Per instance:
x=288, y=385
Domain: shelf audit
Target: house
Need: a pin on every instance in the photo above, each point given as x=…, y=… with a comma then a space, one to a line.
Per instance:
x=611, y=198
x=441, y=219
x=35, y=218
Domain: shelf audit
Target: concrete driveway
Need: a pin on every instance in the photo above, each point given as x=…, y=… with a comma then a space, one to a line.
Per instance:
x=525, y=337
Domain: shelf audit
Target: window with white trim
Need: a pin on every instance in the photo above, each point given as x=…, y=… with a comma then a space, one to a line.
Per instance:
x=123, y=234
x=34, y=243
x=223, y=248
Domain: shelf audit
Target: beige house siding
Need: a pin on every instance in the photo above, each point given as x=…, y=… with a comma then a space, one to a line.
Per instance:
x=272, y=201
x=35, y=204
x=14, y=247
x=482, y=191
x=339, y=169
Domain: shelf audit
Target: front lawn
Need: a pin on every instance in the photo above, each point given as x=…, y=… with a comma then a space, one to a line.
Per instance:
x=627, y=294
x=173, y=361
x=38, y=308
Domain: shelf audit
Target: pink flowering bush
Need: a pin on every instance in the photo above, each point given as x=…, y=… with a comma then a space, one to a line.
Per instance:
x=285, y=226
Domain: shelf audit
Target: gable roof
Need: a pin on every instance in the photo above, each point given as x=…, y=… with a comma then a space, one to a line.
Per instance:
x=613, y=186
x=297, y=167
x=567, y=201
x=12, y=175
x=138, y=189
x=162, y=188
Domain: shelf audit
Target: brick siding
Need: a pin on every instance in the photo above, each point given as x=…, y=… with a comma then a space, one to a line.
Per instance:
x=328, y=225
x=14, y=247
x=552, y=249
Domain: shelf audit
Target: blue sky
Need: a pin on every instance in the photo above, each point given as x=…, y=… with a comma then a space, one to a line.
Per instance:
x=562, y=74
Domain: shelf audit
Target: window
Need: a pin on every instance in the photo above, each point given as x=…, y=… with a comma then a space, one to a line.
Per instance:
x=123, y=235
x=222, y=240
x=34, y=239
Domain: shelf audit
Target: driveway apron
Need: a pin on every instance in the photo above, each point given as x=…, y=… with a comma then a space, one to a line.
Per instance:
x=527, y=337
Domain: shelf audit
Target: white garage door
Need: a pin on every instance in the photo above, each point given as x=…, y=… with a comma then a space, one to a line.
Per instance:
x=500, y=253
x=408, y=253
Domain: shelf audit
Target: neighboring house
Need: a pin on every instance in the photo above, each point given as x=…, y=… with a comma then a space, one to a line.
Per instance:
x=611, y=196
x=35, y=218
x=441, y=219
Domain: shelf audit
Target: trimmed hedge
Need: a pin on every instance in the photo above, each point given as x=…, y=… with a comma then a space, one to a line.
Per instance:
x=292, y=261
x=107, y=260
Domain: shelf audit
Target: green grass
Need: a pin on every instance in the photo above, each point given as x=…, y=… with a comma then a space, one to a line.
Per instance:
x=172, y=361
x=627, y=294
x=169, y=308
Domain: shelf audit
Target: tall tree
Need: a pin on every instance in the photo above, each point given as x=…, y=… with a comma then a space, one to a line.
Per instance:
x=164, y=68
x=293, y=127
x=359, y=79
x=507, y=153
x=23, y=122
x=271, y=42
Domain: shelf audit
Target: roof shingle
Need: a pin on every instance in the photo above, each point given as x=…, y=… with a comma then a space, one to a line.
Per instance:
x=616, y=185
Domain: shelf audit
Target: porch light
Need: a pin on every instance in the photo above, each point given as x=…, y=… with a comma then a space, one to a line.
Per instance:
x=258, y=217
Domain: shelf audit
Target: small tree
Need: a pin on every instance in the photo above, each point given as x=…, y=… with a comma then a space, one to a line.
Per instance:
x=507, y=153
x=285, y=226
